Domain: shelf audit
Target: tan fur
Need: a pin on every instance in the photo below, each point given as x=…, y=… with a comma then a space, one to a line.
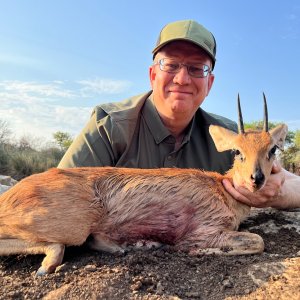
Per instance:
x=122, y=208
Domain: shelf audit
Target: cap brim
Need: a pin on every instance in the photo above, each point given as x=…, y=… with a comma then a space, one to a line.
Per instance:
x=156, y=49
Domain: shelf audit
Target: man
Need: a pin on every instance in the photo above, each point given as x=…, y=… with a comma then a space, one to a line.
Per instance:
x=166, y=127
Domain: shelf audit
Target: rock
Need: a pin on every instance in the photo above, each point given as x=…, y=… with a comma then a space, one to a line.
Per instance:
x=159, y=288
x=289, y=219
x=6, y=182
x=62, y=268
x=136, y=286
x=227, y=283
x=90, y=268
x=260, y=273
x=193, y=295
x=59, y=293
x=4, y=188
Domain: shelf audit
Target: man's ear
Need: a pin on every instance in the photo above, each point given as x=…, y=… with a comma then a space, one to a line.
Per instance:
x=152, y=74
x=223, y=138
x=210, y=82
x=279, y=134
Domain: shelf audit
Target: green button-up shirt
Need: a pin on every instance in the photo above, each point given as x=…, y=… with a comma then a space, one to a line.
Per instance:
x=131, y=134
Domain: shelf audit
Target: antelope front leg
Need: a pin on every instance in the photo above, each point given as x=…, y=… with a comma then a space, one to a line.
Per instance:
x=234, y=243
x=54, y=252
x=54, y=256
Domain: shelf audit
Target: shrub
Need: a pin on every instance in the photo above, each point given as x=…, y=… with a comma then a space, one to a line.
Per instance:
x=4, y=160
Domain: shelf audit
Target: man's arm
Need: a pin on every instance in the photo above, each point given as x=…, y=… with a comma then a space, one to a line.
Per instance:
x=281, y=191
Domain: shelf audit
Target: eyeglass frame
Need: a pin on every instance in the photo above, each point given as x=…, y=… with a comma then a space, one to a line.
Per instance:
x=160, y=63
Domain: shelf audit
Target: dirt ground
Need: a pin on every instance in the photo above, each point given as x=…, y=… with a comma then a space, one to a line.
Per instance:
x=163, y=274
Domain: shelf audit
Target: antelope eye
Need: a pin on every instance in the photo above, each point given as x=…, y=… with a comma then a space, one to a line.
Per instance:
x=237, y=152
x=272, y=151
x=239, y=155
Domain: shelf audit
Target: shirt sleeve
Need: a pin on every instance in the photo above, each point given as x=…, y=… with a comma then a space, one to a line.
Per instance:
x=91, y=148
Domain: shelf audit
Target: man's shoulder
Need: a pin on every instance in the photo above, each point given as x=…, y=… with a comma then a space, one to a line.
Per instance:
x=123, y=110
x=214, y=119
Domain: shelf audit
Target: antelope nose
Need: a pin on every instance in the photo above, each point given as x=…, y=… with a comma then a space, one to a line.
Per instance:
x=258, y=178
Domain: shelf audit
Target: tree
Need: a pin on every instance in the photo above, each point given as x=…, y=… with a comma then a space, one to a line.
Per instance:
x=5, y=132
x=63, y=139
x=297, y=138
x=25, y=143
x=291, y=155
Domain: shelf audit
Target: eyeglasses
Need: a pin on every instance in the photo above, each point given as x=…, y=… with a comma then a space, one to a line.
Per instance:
x=172, y=66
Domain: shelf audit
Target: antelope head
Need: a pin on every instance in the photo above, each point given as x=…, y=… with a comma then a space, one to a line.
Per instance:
x=254, y=150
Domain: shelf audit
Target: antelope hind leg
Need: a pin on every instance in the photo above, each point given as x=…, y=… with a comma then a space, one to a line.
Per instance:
x=235, y=243
x=54, y=252
x=145, y=245
x=99, y=242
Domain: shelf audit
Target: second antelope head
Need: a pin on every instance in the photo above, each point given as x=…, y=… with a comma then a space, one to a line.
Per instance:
x=254, y=150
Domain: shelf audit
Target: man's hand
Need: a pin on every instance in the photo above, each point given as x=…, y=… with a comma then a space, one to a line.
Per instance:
x=268, y=196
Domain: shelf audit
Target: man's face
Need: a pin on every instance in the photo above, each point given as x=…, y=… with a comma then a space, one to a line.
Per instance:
x=179, y=95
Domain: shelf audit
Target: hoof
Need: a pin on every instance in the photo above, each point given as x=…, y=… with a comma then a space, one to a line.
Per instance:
x=41, y=272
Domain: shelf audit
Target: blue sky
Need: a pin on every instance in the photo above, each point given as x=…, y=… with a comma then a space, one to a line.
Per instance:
x=60, y=58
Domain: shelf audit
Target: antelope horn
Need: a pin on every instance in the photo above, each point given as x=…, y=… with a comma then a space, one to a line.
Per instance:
x=240, y=123
x=265, y=126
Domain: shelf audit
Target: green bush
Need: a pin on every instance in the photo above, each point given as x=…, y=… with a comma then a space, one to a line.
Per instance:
x=26, y=163
x=23, y=157
x=4, y=160
x=54, y=154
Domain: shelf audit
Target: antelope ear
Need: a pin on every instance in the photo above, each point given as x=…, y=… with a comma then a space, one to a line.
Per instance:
x=222, y=137
x=279, y=134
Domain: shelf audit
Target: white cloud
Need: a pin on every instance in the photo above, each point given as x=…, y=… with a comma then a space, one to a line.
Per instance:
x=33, y=90
x=40, y=109
x=103, y=86
x=43, y=121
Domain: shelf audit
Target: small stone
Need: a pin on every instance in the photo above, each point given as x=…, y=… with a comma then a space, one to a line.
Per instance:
x=193, y=295
x=227, y=283
x=159, y=288
x=62, y=268
x=150, y=289
x=136, y=286
x=90, y=268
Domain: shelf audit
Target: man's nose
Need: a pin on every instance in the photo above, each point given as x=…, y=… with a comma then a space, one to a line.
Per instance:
x=182, y=77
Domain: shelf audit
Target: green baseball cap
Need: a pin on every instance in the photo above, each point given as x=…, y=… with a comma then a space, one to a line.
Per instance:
x=190, y=31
